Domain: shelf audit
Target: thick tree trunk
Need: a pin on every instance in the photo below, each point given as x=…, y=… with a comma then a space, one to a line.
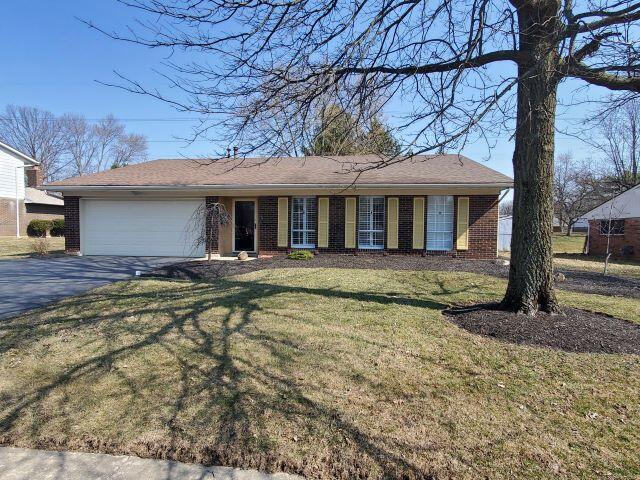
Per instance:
x=531, y=272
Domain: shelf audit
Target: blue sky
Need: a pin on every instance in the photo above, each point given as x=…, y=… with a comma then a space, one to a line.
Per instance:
x=53, y=61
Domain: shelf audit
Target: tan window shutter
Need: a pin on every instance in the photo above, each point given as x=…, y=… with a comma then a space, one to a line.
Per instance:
x=323, y=222
x=418, y=222
x=283, y=222
x=350, y=223
x=392, y=222
x=462, y=227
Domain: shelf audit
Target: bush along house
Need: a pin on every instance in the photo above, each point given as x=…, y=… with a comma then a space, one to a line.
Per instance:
x=616, y=225
x=440, y=205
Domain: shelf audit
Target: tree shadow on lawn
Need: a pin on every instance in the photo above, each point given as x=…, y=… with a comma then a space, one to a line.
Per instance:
x=237, y=394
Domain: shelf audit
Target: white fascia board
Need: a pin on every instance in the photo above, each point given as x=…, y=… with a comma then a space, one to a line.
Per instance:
x=17, y=153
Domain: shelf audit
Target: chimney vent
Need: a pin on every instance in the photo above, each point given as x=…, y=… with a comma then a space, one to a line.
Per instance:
x=228, y=153
x=235, y=152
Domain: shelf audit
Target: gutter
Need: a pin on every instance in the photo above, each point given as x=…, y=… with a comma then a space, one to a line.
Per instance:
x=291, y=186
x=24, y=157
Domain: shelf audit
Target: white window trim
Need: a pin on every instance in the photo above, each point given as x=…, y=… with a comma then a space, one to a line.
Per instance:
x=305, y=227
x=368, y=246
x=426, y=240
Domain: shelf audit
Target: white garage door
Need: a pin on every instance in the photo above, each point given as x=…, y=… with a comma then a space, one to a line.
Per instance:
x=139, y=228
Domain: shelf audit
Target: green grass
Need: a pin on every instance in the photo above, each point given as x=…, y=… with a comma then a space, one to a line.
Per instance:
x=622, y=268
x=568, y=244
x=13, y=247
x=328, y=373
x=568, y=255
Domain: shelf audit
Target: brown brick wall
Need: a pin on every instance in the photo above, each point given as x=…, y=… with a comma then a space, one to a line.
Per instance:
x=268, y=226
x=483, y=228
x=631, y=238
x=8, y=217
x=28, y=212
x=34, y=177
x=72, y=225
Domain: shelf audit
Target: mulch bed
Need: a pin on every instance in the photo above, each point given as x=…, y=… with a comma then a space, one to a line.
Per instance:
x=571, y=330
x=579, y=281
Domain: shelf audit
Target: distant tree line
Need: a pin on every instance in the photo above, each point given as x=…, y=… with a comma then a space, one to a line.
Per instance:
x=70, y=145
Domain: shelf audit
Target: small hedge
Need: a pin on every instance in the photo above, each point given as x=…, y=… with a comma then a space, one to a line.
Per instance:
x=300, y=255
x=57, y=227
x=38, y=228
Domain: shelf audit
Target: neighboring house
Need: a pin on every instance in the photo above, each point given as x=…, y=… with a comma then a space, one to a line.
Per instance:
x=580, y=226
x=20, y=200
x=617, y=221
x=442, y=204
x=505, y=224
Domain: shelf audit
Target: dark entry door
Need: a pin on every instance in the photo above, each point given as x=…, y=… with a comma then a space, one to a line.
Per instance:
x=245, y=218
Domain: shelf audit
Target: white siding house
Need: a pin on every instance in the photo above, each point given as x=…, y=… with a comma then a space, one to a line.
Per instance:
x=12, y=187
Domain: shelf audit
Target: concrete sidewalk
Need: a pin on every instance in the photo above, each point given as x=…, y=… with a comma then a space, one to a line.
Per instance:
x=27, y=464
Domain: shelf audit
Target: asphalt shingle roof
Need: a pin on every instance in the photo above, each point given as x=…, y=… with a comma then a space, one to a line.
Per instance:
x=418, y=170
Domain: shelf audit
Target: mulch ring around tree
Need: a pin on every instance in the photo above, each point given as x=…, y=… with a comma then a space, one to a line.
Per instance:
x=571, y=330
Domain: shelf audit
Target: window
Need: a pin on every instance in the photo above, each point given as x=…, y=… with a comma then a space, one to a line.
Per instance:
x=371, y=222
x=613, y=227
x=440, y=222
x=303, y=225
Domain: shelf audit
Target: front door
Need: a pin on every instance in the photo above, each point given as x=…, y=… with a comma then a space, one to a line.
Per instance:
x=244, y=225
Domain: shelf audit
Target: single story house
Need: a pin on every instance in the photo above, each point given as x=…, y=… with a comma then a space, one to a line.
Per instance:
x=618, y=221
x=441, y=205
x=21, y=200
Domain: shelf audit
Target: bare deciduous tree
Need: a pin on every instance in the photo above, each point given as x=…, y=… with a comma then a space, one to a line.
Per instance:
x=80, y=144
x=39, y=134
x=106, y=134
x=93, y=148
x=620, y=144
x=463, y=69
x=130, y=148
x=573, y=189
x=506, y=208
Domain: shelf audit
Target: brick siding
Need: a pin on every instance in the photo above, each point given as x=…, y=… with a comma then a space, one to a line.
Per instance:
x=630, y=238
x=72, y=225
x=34, y=177
x=268, y=226
x=483, y=228
x=28, y=212
x=8, y=217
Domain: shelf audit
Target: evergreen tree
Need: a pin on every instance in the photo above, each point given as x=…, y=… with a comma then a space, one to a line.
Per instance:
x=338, y=133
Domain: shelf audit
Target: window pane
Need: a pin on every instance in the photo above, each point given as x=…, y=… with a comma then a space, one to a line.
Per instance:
x=303, y=214
x=440, y=222
x=371, y=222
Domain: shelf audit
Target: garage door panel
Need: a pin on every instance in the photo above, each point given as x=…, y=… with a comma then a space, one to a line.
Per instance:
x=140, y=227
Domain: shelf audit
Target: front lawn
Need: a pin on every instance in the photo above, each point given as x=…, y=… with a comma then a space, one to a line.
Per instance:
x=568, y=244
x=13, y=247
x=622, y=268
x=324, y=372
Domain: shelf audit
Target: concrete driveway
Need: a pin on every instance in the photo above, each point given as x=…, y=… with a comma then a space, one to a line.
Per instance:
x=34, y=282
x=26, y=464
